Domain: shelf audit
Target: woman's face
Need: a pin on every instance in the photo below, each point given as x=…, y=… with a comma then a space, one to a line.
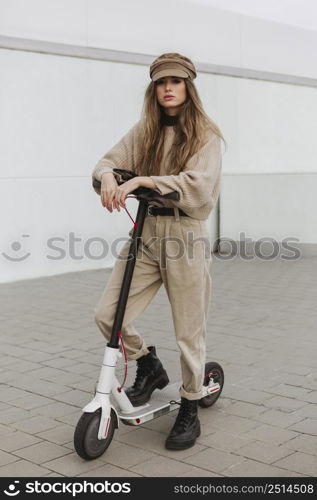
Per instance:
x=171, y=93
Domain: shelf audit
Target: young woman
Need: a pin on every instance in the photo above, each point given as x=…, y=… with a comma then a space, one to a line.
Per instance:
x=174, y=147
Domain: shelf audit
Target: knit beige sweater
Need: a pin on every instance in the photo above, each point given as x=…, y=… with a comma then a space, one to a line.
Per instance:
x=198, y=184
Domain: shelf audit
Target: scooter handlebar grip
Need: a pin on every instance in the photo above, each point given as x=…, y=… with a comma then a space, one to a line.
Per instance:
x=96, y=184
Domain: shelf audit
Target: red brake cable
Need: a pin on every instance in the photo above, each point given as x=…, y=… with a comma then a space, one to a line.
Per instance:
x=135, y=224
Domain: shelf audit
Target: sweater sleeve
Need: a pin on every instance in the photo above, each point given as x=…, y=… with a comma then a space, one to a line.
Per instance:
x=198, y=182
x=122, y=155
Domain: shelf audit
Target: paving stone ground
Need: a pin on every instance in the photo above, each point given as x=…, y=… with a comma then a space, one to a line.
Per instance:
x=261, y=328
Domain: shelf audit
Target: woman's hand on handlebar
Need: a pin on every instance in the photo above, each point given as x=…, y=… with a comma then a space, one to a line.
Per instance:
x=112, y=195
x=108, y=190
x=124, y=189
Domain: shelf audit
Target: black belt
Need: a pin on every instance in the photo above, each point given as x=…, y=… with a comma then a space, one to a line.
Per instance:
x=152, y=210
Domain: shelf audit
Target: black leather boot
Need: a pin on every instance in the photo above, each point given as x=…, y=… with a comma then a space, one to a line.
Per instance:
x=186, y=427
x=150, y=375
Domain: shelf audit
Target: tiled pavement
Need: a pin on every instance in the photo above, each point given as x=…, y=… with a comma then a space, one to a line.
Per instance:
x=261, y=328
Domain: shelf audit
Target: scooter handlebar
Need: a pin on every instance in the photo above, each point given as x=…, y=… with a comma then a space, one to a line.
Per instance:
x=141, y=192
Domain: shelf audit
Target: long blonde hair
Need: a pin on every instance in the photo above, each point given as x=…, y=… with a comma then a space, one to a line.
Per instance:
x=190, y=132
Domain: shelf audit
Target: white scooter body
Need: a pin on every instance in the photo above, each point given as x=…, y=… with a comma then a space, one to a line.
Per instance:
x=161, y=402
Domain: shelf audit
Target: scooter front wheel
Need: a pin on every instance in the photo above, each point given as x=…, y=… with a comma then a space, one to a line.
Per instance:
x=86, y=441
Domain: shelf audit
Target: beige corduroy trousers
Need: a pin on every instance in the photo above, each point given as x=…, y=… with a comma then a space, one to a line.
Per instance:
x=174, y=250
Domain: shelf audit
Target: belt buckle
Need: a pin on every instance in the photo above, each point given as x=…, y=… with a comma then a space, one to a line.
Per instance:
x=149, y=210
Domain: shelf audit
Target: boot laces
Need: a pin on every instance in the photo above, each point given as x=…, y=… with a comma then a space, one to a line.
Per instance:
x=143, y=369
x=184, y=416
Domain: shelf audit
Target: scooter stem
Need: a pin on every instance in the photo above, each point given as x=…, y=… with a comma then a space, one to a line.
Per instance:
x=128, y=273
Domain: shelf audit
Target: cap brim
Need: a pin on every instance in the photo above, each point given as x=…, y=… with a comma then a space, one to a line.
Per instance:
x=169, y=72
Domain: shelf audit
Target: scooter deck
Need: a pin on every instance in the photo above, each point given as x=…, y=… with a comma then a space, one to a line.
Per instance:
x=159, y=404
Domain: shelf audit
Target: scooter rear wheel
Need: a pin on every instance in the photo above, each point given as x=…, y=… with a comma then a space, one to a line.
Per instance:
x=212, y=370
x=86, y=441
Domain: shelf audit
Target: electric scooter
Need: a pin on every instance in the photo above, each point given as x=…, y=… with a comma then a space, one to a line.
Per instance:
x=96, y=426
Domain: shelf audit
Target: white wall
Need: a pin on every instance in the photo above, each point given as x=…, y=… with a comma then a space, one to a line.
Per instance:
x=270, y=182
x=277, y=206
x=270, y=127
x=301, y=13
x=60, y=114
x=150, y=27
